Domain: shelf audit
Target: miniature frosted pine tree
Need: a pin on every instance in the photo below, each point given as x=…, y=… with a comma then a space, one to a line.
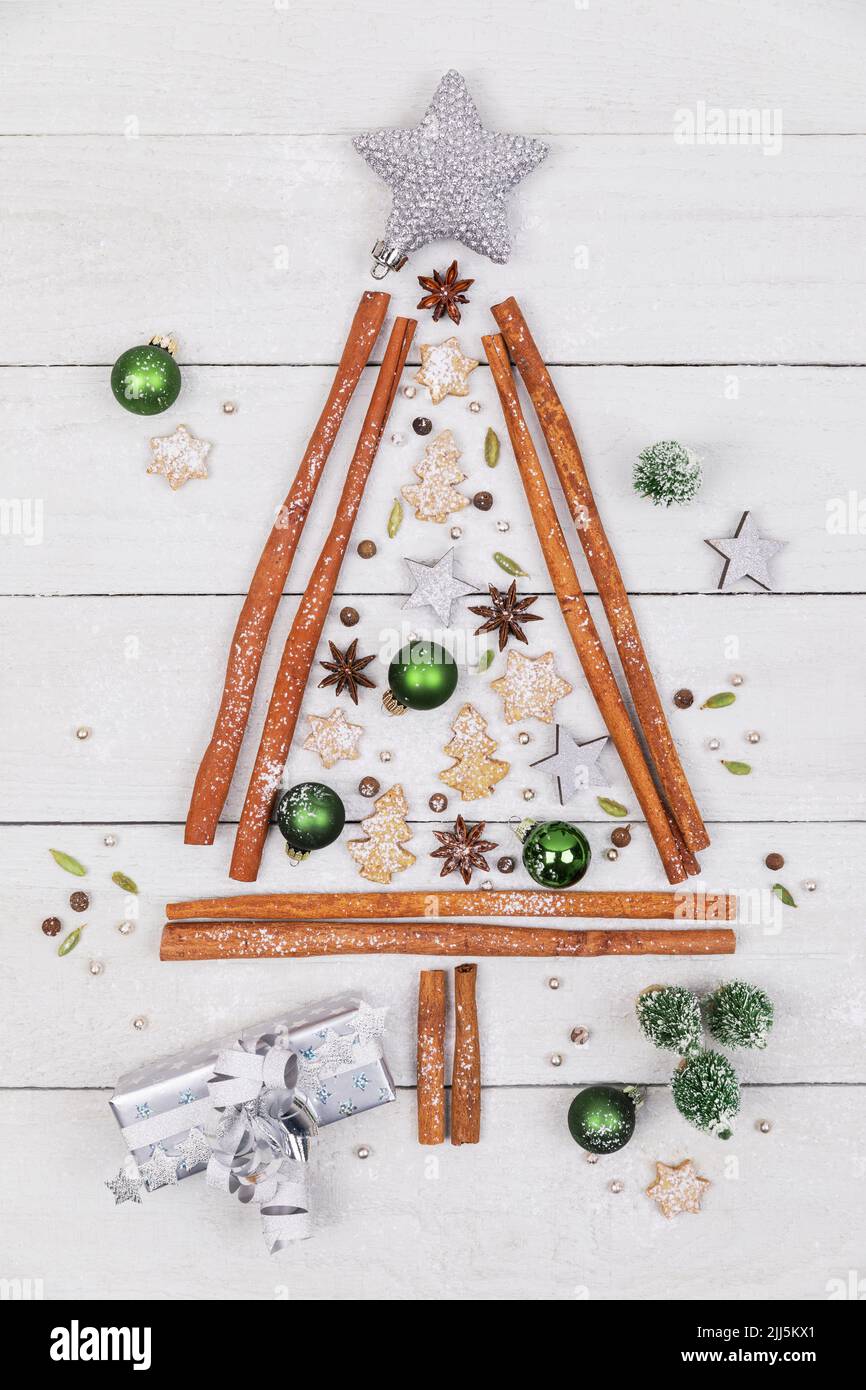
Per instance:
x=667, y=472
x=474, y=773
x=382, y=853
x=670, y=1016
x=707, y=1093
x=435, y=497
x=739, y=1015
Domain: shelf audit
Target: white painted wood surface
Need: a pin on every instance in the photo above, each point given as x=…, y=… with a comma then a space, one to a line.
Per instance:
x=190, y=168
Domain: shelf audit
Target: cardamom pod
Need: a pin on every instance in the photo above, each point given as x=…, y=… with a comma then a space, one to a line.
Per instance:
x=782, y=893
x=395, y=518
x=491, y=448
x=724, y=697
x=125, y=882
x=67, y=862
x=484, y=661
x=738, y=769
x=506, y=563
x=612, y=808
x=70, y=941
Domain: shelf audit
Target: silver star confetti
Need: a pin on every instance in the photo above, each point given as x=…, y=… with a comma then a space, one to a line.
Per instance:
x=573, y=764
x=126, y=1187
x=747, y=555
x=194, y=1150
x=449, y=177
x=437, y=587
x=160, y=1170
x=179, y=457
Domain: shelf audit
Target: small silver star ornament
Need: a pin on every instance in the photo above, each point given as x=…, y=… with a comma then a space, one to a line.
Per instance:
x=436, y=586
x=449, y=178
x=747, y=555
x=573, y=764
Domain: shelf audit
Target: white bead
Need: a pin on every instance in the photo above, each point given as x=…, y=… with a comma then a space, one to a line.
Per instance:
x=590, y=1158
x=579, y=1036
x=409, y=393
x=139, y=1023
x=764, y=1126
x=524, y=738
x=82, y=732
x=109, y=841
x=456, y=532
x=737, y=680
x=714, y=744
x=611, y=854
x=528, y=794
x=126, y=928
x=556, y=1059
x=616, y=1186
x=398, y=438
x=229, y=407
x=475, y=406
x=385, y=756
x=809, y=885
x=96, y=967
x=362, y=1151
x=753, y=736
x=503, y=526
x=486, y=884
x=553, y=982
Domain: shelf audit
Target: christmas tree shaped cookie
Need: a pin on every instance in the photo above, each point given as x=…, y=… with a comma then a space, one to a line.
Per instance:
x=436, y=496
x=475, y=773
x=382, y=853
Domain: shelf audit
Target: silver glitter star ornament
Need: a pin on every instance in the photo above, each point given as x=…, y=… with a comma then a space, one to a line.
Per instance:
x=747, y=555
x=126, y=1187
x=449, y=177
x=437, y=587
x=573, y=764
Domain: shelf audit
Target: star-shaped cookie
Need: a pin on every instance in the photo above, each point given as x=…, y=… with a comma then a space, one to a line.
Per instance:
x=444, y=370
x=179, y=457
x=747, y=555
x=530, y=688
x=333, y=737
x=677, y=1188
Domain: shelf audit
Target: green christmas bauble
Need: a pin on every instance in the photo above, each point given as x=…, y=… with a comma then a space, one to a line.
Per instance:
x=556, y=854
x=422, y=675
x=310, y=816
x=146, y=379
x=601, y=1119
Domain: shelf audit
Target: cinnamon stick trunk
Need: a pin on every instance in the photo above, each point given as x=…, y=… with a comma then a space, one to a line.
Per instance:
x=431, y=1057
x=466, y=1071
x=250, y=636
x=260, y=940
x=578, y=619
x=565, y=452
x=303, y=638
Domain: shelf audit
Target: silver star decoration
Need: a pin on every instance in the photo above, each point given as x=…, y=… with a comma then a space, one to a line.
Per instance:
x=126, y=1187
x=194, y=1150
x=747, y=555
x=436, y=586
x=449, y=177
x=160, y=1170
x=573, y=764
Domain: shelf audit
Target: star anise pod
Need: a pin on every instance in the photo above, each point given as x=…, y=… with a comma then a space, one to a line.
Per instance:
x=347, y=670
x=506, y=613
x=462, y=849
x=444, y=293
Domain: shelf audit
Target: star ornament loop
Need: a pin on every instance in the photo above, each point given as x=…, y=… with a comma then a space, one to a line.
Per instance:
x=449, y=178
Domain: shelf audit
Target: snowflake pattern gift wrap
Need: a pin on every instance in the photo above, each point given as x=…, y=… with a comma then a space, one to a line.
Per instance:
x=244, y=1108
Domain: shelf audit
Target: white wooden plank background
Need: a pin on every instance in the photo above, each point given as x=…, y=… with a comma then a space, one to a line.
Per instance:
x=190, y=168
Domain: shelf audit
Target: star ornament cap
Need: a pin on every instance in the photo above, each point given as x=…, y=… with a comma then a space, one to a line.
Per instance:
x=747, y=555
x=449, y=178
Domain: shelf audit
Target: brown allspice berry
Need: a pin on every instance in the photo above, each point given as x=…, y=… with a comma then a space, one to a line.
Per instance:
x=684, y=699
x=506, y=864
x=438, y=802
x=366, y=549
x=52, y=926
x=368, y=786
x=79, y=901
x=483, y=501
x=775, y=861
x=621, y=836
x=349, y=616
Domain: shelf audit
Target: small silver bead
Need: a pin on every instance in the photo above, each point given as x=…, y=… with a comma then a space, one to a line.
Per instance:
x=456, y=532
x=590, y=1158
x=616, y=1186
x=556, y=1059
x=579, y=1036
x=528, y=794
x=109, y=841
x=714, y=744
x=486, y=884
x=809, y=885
x=82, y=732
x=753, y=736
x=139, y=1023
x=611, y=854
x=503, y=526
x=409, y=392
x=553, y=982
x=126, y=928
x=229, y=407
x=95, y=967
x=397, y=438
x=385, y=756
x=362, y=1151
x=764, y=1126
x=475, y=406
x=736, y=680
x=524, y=738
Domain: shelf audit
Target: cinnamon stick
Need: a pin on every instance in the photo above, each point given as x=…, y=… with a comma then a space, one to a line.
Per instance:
x=258, y=940
x=578, y=619
x=431, y=1057
x=683, y=905
x=250, y=636
x=466, y=1071
x=605, y=571
x=303, y=638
